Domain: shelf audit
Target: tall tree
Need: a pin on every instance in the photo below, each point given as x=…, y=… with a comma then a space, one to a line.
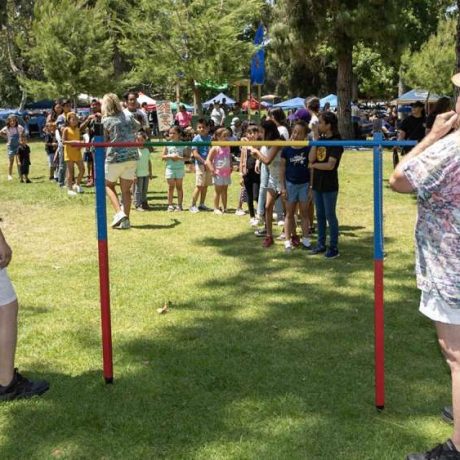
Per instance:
x=191, y=41
x=379, y=24
x=15, y=24
x=72, y=47
x=432, y=66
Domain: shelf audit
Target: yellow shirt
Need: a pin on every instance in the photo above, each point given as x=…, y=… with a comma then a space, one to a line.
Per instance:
x=72, y=153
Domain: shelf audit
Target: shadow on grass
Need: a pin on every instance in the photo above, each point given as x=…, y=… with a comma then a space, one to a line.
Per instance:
x=279, y=367
x=173, y=224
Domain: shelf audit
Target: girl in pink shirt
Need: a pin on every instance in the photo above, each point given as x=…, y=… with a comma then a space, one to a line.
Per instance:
x=219, y=162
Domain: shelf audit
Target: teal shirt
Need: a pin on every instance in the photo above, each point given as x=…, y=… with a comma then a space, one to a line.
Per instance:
x=175, y=165
x=142, y=169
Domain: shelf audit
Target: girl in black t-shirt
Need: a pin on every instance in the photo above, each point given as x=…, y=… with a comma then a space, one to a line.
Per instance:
x=324, y=162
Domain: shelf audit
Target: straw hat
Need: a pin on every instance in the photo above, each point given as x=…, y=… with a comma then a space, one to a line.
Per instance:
x=456, y=79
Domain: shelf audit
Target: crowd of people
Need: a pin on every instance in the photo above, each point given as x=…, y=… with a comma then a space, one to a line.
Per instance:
x=287, y=183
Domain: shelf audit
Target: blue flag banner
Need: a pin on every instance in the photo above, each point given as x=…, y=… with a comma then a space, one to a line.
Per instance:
x=258, y=60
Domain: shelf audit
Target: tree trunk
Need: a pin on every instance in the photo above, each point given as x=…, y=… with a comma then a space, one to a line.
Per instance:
x=344, y=86
x=197, y=99
x=401, y=85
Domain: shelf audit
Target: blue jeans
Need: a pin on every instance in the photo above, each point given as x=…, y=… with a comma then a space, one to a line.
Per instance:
x=325, y=203
x=140, y=191
x=262, y=189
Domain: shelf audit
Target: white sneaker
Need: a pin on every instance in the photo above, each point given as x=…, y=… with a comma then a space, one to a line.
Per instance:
x=78, y=189
x=218, y=212
x=194, y=209
x=124, y=224
x=10, y=177
x=239, y=212
x=254, y=222
x=71, y=193
x=170, y=209
x=287, y=247
x=117, y=218
x=178, y=208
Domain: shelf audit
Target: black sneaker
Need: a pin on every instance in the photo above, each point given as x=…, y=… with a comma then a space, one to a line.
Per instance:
x=20, y=387
x=447, y=414
x=318, y=250
x=332, y=253
x=446, y=451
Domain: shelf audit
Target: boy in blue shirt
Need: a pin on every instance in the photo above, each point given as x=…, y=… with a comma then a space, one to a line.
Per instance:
x=203, y=176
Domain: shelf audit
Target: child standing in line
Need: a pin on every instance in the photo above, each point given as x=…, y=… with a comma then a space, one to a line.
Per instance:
x=175, y=169
x=324, y=162
x=143, y=174
x=13, y=133
x=50, y=147
x=294, y=178
x=219, y=162
x=24, y=161
x=72, y=155
x=250, y=178
x=203, y=177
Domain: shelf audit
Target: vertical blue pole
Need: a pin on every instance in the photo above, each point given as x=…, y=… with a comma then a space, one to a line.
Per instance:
x=104, y=286
x=378, y=275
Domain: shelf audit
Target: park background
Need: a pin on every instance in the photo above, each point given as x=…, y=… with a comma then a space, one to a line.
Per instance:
x=262, y=355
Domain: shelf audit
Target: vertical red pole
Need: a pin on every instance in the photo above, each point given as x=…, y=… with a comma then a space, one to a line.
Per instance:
x=104, y=286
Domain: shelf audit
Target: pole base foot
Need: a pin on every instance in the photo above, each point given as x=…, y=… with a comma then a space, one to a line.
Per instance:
x=380, y=408
x=108, y=380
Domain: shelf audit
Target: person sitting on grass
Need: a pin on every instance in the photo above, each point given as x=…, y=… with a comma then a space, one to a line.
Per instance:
x=294, y=178
x=219, y=162
x=12, y=384
x=175, y=169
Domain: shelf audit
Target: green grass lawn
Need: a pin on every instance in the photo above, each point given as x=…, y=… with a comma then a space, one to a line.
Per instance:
x=263, y=355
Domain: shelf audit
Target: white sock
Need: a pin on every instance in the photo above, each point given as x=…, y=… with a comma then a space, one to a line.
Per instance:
x=306, y=241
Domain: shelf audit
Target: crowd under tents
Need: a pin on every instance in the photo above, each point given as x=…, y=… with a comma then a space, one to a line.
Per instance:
x=219, y=99
x=416, y=95
x=331, y=99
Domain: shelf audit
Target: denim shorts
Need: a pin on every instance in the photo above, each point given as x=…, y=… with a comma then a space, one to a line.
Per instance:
x=7, y=294
x=296, y=192
x=174, y=173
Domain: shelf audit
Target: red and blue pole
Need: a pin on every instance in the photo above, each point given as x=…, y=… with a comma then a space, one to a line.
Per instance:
x=379, y=341
x=104, y=286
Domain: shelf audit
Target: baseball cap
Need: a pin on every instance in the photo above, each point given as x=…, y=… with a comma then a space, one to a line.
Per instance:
x=303, y=114
x=235, y=120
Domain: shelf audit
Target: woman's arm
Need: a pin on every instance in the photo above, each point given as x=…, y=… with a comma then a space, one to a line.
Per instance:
x=328, y=166
x=283, y=176
x=164, y=155
x=271, y=155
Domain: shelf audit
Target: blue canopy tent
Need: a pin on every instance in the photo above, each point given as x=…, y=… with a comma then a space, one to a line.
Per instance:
x=331, y=98
x=219, y=99
x=415, y=95
x=295, y=103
